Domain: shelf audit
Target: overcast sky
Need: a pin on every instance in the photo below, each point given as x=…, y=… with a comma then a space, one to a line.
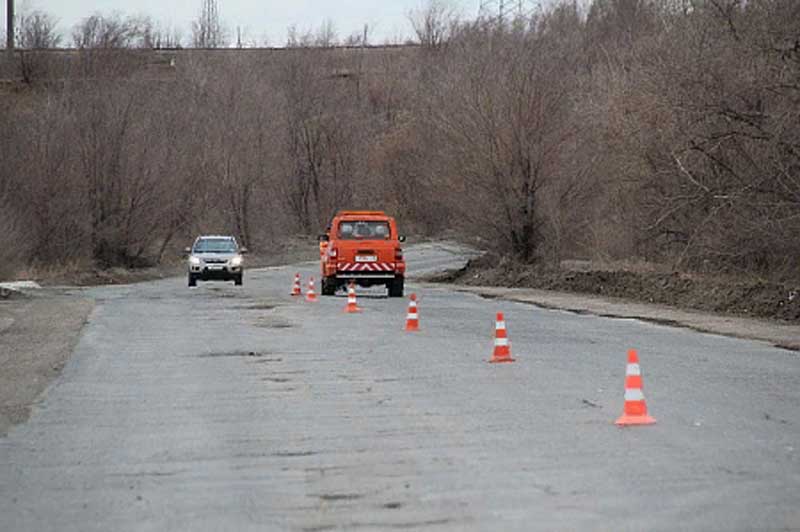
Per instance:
x=259, y=19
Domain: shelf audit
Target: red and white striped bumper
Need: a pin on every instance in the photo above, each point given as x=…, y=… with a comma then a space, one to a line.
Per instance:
x=366, y=269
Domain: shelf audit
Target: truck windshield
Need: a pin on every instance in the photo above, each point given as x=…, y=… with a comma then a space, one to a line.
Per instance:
x=355, y=230
x=215, y=245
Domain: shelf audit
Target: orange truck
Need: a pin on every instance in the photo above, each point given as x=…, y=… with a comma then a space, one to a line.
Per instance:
x=363, y=247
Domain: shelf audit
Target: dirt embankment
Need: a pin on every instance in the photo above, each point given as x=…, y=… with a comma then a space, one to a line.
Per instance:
x=718, y=294
x=37, y=336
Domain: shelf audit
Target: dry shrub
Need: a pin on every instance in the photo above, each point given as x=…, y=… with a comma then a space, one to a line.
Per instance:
x=14, y=244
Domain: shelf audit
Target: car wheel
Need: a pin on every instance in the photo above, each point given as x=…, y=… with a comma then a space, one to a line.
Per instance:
x=238, y=280
x=192, y=280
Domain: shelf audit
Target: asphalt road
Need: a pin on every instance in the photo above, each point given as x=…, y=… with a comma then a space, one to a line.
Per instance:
x=223, y=408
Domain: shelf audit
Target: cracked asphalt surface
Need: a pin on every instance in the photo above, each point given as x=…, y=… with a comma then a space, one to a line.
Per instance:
x=224, y=408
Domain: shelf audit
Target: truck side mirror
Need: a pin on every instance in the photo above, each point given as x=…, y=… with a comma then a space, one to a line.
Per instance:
x=243, y=251
x=188, y=251
x=324, y=238
x=401, y=238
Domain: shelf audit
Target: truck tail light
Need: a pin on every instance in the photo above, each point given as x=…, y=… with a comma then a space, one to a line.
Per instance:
x=398, y=254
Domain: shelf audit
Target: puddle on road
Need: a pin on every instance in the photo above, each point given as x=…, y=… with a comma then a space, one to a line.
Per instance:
x=320, y=528
x=336, y=497
x=237, y=354
x=273, y=322
x=322, y=471
x=259, y=306
x=392, y=505
x=590, y=403
x=768, y=417
x=141, y=474
x=405, y=525
x=226, y=295
x=293, y=454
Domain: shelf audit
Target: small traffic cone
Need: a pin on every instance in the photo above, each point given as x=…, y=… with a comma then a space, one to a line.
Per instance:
x=502, y=350
x=311, y=296
x=296, y=290
x=412, y=318
x=352, y=306
x=635, y=412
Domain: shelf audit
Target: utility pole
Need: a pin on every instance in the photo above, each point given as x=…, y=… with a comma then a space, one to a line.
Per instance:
x=10, y=25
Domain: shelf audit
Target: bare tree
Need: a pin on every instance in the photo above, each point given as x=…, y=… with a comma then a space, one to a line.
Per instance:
x=323, y=37
x=207, y=31
x=435, y=23
x=297, y=39
x=501, y=107
x=323, y=134
x=163, y=37
x=110, y=31
x=358, y=38
x=37, y=30
x=326, y=36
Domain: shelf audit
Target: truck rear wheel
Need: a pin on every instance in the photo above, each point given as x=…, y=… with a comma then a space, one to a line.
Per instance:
x=328, y=286
x=395, y=287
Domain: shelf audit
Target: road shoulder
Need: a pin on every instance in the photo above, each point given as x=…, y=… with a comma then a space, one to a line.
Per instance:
x=37, y=337
x=781, y=335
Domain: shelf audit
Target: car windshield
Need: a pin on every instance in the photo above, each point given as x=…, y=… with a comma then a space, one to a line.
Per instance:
x=363, y=230
x=215, y=245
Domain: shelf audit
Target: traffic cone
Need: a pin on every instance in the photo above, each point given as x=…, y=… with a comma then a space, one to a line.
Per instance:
x=296, y=290
x=352, y=306
x=311, y=296
x=502, y=350
x=412, y=318
x=635, y=412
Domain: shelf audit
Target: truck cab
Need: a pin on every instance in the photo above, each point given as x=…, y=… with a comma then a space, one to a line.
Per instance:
x=363, y=247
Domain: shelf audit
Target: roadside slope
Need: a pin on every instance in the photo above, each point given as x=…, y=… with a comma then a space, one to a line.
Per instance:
x=782, y=335
x=37, y=336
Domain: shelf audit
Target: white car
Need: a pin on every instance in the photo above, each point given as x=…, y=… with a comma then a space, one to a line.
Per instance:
x=216, y=258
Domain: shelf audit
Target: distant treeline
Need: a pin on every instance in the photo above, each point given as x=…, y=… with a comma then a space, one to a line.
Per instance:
x=658, y=130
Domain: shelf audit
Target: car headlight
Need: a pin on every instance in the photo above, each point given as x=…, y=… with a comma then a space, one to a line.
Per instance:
x=236, y=262
x=194, y=261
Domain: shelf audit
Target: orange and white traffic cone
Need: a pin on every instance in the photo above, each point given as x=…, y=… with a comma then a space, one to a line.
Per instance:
x=412, y=318
x=296, y=290
x=635, y=412
x=502, y=349
x=311, y=296
x=352, y=306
